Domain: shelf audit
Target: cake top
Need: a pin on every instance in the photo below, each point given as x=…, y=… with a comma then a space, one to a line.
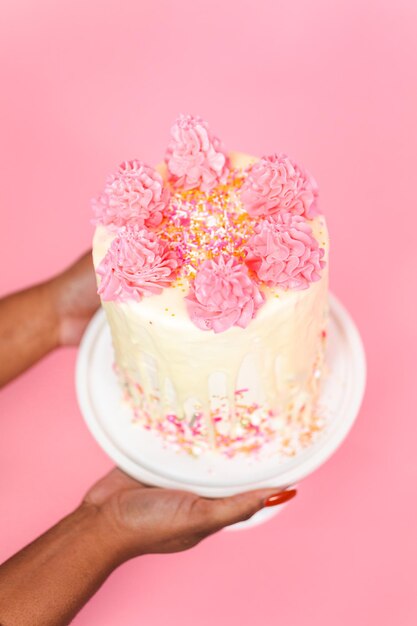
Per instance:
x=224, y=232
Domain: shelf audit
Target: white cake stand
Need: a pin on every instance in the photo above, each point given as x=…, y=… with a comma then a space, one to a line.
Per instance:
x=143, y=454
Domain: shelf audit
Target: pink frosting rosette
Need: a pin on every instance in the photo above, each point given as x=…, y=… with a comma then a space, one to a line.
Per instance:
x=283, y=252
x=137, y=264
x=223, y=295
x=134, y=194
x=277, y=183
x=195, y=158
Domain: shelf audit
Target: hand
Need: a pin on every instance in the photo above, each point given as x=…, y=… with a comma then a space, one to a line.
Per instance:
x=136, y=519
x=54, y=313
x=51, y=579
x=74, y=293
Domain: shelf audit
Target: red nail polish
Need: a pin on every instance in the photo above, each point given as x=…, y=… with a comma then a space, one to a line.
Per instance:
x=280, y=498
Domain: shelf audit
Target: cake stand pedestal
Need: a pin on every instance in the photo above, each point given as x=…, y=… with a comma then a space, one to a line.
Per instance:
x=143, y=454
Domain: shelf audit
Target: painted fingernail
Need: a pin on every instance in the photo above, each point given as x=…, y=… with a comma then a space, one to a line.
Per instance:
x=280, y=498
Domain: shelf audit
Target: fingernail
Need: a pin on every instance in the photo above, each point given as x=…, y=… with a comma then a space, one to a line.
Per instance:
x=280, y=498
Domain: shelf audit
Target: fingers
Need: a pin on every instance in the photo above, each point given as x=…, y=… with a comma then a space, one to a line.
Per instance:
x=226, y=511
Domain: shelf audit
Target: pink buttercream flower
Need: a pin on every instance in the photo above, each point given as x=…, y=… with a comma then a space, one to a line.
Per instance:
x=137, y=264
x=194, y=157
x=283, y=252
x=135, y=194
x=277, y=183
x=223, y=295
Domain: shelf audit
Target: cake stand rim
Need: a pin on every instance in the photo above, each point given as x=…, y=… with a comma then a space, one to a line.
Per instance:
x=283, y=479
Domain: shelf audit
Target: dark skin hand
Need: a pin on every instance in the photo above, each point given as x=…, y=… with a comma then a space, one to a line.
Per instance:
x=152, y=520
x=36, y=320
x=75, y=294
x=46, y=583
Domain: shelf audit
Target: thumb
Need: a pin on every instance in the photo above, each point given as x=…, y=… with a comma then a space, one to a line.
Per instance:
x=225, y=511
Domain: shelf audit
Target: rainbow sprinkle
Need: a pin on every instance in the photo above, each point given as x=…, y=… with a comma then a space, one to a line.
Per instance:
x=253, y=427
x=201, y=225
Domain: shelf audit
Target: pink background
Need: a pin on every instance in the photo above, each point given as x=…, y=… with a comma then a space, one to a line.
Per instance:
x=87, y=84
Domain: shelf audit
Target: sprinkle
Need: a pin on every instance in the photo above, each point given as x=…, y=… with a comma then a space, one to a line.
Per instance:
x=201, y=225
x=252, y=432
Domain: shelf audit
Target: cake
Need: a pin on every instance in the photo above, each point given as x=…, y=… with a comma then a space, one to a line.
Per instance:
x=212, y=270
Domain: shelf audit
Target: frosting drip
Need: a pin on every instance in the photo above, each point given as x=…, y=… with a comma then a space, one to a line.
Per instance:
x=266, y=374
